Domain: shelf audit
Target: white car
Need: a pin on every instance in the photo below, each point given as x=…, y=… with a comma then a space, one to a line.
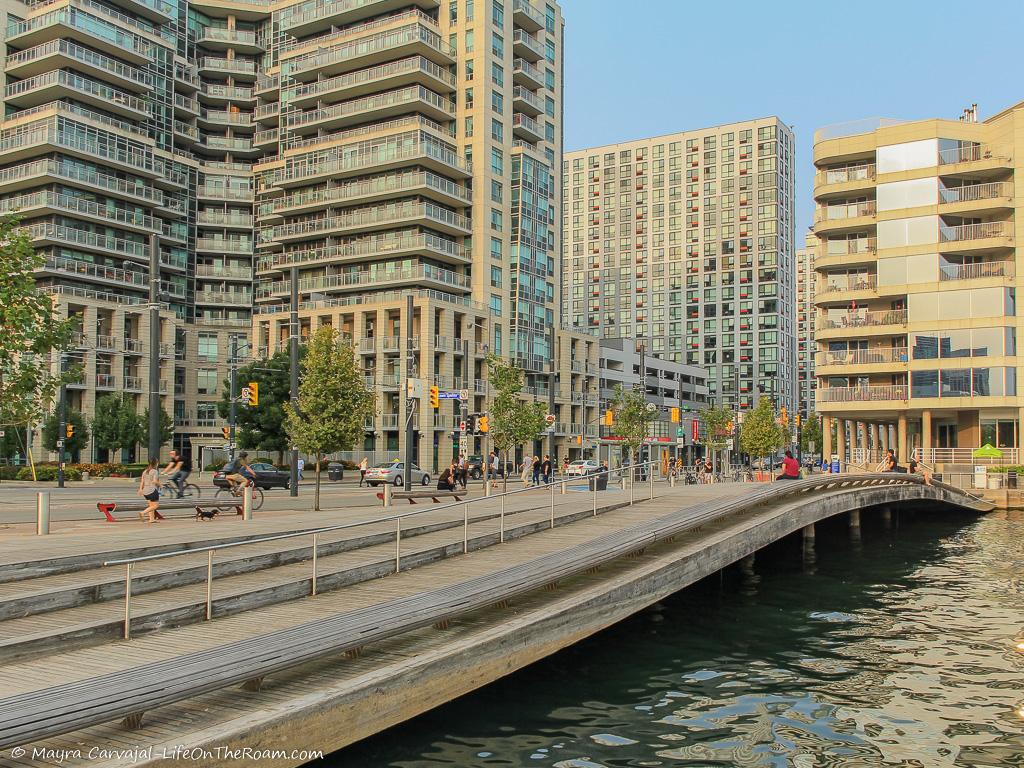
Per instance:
x=393, y=473
x=581, y=467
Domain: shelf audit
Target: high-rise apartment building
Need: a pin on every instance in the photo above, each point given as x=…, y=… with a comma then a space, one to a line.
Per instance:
x=806, y=318
x=362, y=150
x=684, y=243
x=917, y=322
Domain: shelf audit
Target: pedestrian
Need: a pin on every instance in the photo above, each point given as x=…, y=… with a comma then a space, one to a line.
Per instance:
x=149, y=489
x=363, y=466
x=446, y=482
x=524, y=470
x=709, y=471
x=463, y=470
x=302, y=465
x=536, y=470
x=492, y=461
x=790, y=469
x=545, y=469
x=565, y=466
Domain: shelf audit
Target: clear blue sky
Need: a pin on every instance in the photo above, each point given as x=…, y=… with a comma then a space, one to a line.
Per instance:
x=671, y=65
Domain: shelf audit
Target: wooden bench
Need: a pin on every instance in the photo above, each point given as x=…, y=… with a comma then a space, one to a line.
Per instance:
x=200, y=510
x=413, y=495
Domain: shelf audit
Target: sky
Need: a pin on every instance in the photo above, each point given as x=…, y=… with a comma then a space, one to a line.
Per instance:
x=672, y=65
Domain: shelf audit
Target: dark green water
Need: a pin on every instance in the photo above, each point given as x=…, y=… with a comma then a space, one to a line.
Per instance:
x=899, y=650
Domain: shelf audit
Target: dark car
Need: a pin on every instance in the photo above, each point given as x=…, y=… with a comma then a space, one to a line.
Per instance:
x=475, y=466
x=267, y=476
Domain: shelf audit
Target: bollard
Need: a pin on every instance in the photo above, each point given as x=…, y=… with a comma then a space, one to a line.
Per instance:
x=563, y=484
x=672, y=480
x=42, y=513
x=387, y=494
x=650, y=478
x=247, y=503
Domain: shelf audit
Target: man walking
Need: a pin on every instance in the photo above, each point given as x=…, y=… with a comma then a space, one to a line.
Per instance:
x=301, y=466
x=545, y=469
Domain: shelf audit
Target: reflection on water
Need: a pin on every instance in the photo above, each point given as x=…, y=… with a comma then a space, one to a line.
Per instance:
x=897, y=651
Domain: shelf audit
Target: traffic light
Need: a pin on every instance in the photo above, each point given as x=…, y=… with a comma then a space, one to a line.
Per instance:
x=483, y=424
x=254, y=394
x=609, y=418
x=226, y=432
x=579, y=439
x=675, y=415
x=435, y=397
x=69, y=430
x=471, y=423
x=783, y=416
x=798, y=421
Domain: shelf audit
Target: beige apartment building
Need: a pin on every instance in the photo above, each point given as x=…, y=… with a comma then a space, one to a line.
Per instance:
x=806, y=321
x=372, y=149
x=684, y=243
x=917, y=276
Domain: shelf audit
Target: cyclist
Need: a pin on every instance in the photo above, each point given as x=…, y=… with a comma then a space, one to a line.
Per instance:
x=173, y=472
x=184, y=471
x=238, y=472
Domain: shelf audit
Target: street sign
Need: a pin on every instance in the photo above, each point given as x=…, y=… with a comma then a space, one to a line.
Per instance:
x=448, y=395
x=60, y=443
x=679, y=432
x=463, y=394
x=728, y=445
x=549, y=419
x=464, y=444
x=462, y=426
x=244, y=397
x=680, y=440
x=1, y=433
x=415, y=389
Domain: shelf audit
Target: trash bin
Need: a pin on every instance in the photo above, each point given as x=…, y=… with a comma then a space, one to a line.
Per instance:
x=599, y=480
x=1011, y=479
x=335, y=471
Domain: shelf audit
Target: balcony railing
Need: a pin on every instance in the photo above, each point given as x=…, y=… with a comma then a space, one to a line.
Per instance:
x=864, y=172
x=77, y=83
x=378, y=101
x=223, y=35
x=225, y=193
x=948, y=272
x=835, y=283
x=75, y=51
x=402, y=240
x=87, y=239
x=384, y=214
x=864, y=319
x=98, y=272
x=863, y=356
x=383, y=41
x=968, y=153
x=360, y=160
x=228, y=65
x=223, y=245
x=871, y=393
x=971, y=192
x=981, y=231
x=839, y=211
x=105, y=381
x=399, y=182
x=849, y=246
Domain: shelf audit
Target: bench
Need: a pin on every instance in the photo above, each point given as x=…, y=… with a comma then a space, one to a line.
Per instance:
x=413, y=495
x=200, y=510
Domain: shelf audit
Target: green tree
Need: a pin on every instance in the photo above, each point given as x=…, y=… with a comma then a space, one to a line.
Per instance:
x=31, y=331
x=166, y=427
x=716, y=426
x=513, y=422
x=762, y=435
x=115, y=424
x=262, y=428
x=632, y=418
x=73, y=444
x=333, y=401
x=810, y=432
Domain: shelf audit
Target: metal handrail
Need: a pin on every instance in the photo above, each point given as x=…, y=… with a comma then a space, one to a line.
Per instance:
x=397, y=519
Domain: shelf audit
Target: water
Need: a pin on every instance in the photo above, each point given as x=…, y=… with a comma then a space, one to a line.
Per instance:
x=896, y=651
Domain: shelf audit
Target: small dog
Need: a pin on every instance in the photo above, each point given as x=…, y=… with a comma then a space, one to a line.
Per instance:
x=203, y=515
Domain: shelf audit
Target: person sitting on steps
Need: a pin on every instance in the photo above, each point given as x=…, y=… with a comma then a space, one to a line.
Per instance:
x=790, y=468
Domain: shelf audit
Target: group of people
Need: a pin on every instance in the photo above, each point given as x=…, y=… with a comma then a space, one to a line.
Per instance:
x=537, y=471
x=152, y=479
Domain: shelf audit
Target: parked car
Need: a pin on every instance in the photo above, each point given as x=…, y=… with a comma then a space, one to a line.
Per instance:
x=475, y=466
x=581, y=467
x=393, y=472
x=267, y=476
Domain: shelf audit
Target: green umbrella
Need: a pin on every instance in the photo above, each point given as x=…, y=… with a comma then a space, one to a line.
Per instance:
x=987, y=451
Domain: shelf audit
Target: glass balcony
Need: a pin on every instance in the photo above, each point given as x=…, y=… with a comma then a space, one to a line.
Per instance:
x=864, y=172
x=526, y=46
x=972, y=192
x=872, y=393
x=863, y=319
x=950, y=272
x=983, y=231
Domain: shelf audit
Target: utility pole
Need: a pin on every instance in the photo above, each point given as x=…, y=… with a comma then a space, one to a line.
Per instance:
x=233, y=395
x=154, y=347
x=467, y=384
x=552, y=383
x=293, y=353
x=62, y=427
x=643, y=384
x=410, y=403
x=679, y=424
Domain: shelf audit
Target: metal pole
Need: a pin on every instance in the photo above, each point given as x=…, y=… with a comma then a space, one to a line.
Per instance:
x=293, y=354
x=398, y=544
x=233, y=395
x=410, y=403
x=487, y=464
x=247, y=503
x=62, y=428
x=209, y=585
x=128, y=601
x=593, y=480
x=552, y=383
x=154, y=347
x=465, y=529
x=552, y=495
x=501, y=518
x=42, y=513
x=468, y=385
x=650, y=477
x=314, y=563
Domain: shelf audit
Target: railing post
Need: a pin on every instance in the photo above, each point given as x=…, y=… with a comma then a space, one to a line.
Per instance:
x=387, y=494
x=632, y=478
x=128, y=601
x=562, y=485
x=501, y=521
x=247, y=503
x=650, y=478
x=209, y=585
x=313, y=592
x=552, y=495
x=42, y=513
x=593, y=480
x=398, y=544
x=465, y=529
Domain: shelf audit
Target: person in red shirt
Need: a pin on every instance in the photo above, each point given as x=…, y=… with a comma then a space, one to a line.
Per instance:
x=790, y=469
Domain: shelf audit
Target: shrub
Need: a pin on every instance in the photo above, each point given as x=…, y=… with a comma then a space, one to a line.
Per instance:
x=213, y=466
x=9, y=473
x=48, y=472
x=1002, y=470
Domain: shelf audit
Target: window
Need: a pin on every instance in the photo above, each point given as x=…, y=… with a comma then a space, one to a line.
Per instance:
x=497, y=130
x=206, y=381
x=470, y=41
x=208, y=347
x=498, y=14
x=549, y=51
x=496, y=224
x=549, y=79
x=497, y=74
x=497, y=45
x=497, y=191
x=497, y=102
x=496, y=277
x=496, y=307
x=497, y=162
x=469, y=126
x=549, y=19
x=496, y=248
x=469, y=70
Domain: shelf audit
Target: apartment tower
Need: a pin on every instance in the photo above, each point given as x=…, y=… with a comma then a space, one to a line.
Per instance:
x=806, y=318
x=684, y=243
x=917, y=276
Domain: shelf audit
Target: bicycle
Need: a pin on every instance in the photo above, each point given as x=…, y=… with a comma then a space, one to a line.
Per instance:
x=169, y=490
x=257, y=493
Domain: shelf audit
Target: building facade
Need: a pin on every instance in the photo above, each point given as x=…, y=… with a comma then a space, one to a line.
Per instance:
x=806, y=320
x=365, y=151
x=917, y=278
x=684, y=242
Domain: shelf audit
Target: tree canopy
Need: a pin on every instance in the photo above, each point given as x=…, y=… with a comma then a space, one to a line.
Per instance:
x=513, y=422
x=115, y=424
x=810, y=432
x=73, y=444
x=262, y=428
x=761, y=434
x=716, y=426
x=632, y=418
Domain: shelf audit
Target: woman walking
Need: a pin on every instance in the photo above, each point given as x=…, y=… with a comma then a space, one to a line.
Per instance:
x=149, y=489
x=525, y=469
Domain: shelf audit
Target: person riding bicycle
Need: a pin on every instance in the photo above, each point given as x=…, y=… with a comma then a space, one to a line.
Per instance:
x=173, y=472
x=238, y=472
